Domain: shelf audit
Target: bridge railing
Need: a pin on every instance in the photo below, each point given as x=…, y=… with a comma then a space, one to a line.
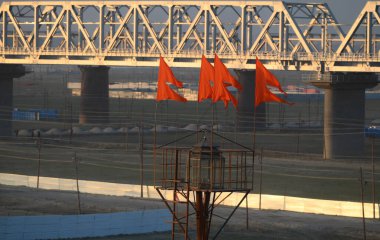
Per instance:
x=344, y=57
x=127, y=52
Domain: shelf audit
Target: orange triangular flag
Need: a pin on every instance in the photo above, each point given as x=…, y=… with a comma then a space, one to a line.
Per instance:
x=166, y=74
x=221, y=77
x=164, y=92
x=224, y=74
x=269, y=77
x=262, y=93
x=206, y=75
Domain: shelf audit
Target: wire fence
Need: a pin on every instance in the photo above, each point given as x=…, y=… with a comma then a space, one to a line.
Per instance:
x=120, y=146
x=113, y=158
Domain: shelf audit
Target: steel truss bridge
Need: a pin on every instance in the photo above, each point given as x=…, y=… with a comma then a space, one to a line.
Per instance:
x=285, y=36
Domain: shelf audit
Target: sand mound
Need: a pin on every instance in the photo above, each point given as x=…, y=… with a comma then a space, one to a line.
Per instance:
x=53, y=131
x=108, y=130
x=122, y=130
x=159, y=128
x=135, y=130
x=77, y=130
x=204, y=127
x=174, y=129
x=191, y=127
x=95, y=130
x=24, y=133
x=217, y=127
x=36, y=132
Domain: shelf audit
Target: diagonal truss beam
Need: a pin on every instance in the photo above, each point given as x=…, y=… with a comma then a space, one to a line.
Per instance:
x=232, y=32
x=119, y=30
x=297, y=31
x=189, y=31
x=222, y=30
x=82, y=29
x=150, y=29
x=52, y=31
x=350, y=33
x=338, y=28
x=43, y=18
x=92, y=38
x=19, y=31
x=376, y=16
x=195, y=32
x=263, y=32
x=161, y=35
x=306, y=33
x=126, y=31
x=267, y=35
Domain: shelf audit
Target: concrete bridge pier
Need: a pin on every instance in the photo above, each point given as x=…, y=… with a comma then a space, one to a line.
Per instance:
x=344, y=113
x=246, y=105
x=94, y=107
x=7, y=73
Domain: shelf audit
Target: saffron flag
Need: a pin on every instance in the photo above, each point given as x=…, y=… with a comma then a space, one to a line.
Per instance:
x=269, y=77
x=166, y=74
x=164, y=92
x=264, y=78
x=205, y=78
x=221, y=72
x=222, y=79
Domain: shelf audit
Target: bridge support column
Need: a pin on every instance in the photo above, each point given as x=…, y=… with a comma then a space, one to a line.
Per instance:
x=94, y=106
x=344, y=113
x=7, y=73
x=246, y=105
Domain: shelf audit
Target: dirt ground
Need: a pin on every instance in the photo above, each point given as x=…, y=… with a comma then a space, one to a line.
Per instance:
x=262, y=224
x=103, y=157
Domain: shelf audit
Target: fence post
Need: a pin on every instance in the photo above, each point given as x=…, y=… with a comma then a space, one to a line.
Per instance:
x=373, y=180
x=261, y=177
x=141, y=156
x=77, y=182
x=39, y=160
x=362, y=197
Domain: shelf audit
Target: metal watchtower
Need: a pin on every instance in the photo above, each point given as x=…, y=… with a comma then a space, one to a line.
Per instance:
x=194, y=181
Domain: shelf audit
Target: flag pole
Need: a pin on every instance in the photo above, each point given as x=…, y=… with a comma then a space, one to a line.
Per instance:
x=213, y=119
x=254, y=114
x=154, y=145
x=212, y=144
x=198, y=120
x=254, y=130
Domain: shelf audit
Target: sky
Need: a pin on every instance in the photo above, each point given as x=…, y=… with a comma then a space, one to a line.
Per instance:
x=346, y=11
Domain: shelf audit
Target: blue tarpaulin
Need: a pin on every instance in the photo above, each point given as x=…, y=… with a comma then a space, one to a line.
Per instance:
x=34, y=114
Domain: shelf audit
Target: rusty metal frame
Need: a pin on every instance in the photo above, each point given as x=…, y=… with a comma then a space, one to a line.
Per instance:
x=176, y=177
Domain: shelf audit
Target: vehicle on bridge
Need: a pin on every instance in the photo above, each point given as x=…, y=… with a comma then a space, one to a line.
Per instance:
x=373, y=129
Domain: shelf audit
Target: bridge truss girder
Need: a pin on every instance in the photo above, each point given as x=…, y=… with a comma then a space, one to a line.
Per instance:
x=362, y=42
x=285, y=36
